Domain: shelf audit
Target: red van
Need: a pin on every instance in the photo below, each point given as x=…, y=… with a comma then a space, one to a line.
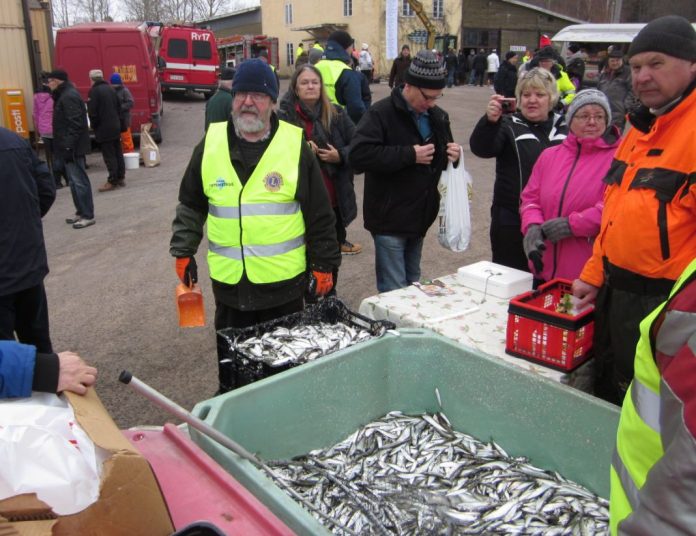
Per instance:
x=188, y=59
x=115, y=47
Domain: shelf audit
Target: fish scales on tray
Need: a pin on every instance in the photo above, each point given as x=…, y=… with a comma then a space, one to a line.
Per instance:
x=300, y=344
x=416, y=475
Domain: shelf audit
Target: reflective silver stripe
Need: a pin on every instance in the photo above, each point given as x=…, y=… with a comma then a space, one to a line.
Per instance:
x=223, y=212
x=627, y=483
x=274, y=249
x=676, y=329
x=270, y=250
x=226, y=251
x=191, y=66
x=271, y=209
x=647, y=404
x=526, y=137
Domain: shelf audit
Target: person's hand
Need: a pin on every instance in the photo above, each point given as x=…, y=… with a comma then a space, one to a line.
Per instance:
x=453, y=151
x=533, y=244
x=329, y=155
x=323, y=283
x=424, y=153
x=494, y=110
x=584, y=292
x=556, y=229
x=74, y=375
x=313, y=146
x=187, y=270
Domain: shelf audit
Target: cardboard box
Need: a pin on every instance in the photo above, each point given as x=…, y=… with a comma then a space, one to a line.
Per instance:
x=130, y=502
x=495, y=279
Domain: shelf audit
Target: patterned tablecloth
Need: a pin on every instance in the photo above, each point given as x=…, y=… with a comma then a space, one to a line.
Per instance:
x=465, y=316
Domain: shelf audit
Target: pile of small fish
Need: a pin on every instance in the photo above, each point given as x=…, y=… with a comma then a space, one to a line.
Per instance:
x=300, y=344
x=416, y=475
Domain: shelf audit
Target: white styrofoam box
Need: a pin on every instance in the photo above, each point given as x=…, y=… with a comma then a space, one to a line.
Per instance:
x=497, y=280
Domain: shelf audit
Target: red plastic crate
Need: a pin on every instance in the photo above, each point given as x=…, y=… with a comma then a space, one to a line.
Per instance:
x=536, y=332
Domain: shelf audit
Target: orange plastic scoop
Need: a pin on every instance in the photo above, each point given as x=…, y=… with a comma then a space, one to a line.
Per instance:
x=189, y=304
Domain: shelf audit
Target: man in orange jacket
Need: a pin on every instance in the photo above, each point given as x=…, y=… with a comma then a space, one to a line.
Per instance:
x=648, y=231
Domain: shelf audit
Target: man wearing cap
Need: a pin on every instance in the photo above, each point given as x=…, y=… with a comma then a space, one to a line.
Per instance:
x=254, y=182
x=403, y=144
x=615, y=83
x=493, y=64
x=104, y=110
x=125, y=99
x=505, y=80
x=648, y=230
x=547, y=58
x=342, y=84
x=219, y=106
x=71, y=144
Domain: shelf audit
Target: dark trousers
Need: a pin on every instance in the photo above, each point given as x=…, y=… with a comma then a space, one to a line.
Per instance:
x=228, y=317
x=26, y=314
x=112, y=152
x=506, y=245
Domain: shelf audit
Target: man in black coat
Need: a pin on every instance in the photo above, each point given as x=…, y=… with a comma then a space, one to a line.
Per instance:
x=403, y=144
x=71, y=144
x=27, y=191
x=104, y=109
x=480, y=64
x=506, y=78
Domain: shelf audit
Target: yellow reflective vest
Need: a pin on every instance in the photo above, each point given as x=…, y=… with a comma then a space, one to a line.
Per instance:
x=639, y=440
x=257, y=228
x=330, y=71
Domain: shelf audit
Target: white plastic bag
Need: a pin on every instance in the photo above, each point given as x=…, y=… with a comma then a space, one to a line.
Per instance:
x=455, y=212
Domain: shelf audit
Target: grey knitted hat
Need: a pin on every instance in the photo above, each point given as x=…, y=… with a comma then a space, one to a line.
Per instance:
x=426, y=71
x=672, y=35
x=585, y=97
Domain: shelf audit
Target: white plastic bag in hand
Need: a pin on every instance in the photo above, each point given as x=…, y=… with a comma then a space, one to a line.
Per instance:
x=455, y=213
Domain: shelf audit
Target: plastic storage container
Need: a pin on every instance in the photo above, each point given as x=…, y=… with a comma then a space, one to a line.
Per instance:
x=331, y=310
x=196, y=488
x=495, y=279
x=536, y=332
x=321, y=403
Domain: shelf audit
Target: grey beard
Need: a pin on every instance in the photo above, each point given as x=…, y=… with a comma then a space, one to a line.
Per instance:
x=249, y=126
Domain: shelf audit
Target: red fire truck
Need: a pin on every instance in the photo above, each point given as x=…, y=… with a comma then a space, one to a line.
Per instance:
x=237, y=48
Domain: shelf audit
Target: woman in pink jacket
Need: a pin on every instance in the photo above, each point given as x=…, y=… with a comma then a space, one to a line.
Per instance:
x=561, y=206
x=42, y=114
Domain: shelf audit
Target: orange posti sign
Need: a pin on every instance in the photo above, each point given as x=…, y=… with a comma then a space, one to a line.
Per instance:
x=129, y=73
x=15, y=112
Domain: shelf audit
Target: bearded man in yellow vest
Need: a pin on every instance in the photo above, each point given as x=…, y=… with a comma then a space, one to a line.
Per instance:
x=270, y=227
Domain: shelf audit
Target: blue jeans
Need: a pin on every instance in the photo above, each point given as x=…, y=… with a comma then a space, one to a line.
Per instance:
x=80, y=187
x=450, y=78
x=397, y=261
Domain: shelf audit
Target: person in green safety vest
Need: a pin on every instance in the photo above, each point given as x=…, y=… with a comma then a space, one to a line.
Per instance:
x=566, y=88
x=255, y=184
x=653, y=470
x=343, y=85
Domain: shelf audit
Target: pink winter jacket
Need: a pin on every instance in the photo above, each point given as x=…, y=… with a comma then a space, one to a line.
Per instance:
x=567, y=181
x=43, y=113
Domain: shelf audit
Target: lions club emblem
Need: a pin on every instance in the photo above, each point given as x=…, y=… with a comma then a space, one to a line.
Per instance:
x=273, y=181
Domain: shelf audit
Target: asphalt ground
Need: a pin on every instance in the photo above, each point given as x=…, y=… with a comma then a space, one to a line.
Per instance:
x=111, y=286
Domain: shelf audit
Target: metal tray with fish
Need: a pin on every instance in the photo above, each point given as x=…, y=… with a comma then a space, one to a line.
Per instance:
x=271, y=347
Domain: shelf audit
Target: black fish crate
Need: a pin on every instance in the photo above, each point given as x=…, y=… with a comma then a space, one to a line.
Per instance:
x=537, y=332
x=243, y=370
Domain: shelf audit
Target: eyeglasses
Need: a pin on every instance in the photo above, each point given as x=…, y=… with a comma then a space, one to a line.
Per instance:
x=253, y=95
x=585, y=118
x=428, y=98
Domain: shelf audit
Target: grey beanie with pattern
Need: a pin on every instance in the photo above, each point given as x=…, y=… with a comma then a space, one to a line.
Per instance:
x=585, y=97
x=426, y=71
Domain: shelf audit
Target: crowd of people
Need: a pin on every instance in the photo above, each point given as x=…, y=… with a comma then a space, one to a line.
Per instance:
x=591, y=185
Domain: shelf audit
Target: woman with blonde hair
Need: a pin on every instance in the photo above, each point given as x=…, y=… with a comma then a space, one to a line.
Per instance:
x=328, y=130
x=515, y=132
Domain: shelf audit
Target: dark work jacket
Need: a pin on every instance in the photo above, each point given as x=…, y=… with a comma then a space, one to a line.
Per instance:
x=505, y=80
x=219, y=107
x=401, y=197
x=480, y=63
x=323, y=253
x=516, y=144
x=349, y=87
x=399, y=68
x=342, y=132
x=104, y=108
x=27, y=191
x=70, y=131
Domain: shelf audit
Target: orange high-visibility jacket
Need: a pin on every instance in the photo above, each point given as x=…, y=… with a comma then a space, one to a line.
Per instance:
x=649, y=218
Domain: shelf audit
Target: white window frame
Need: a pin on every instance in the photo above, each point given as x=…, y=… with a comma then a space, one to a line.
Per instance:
x=288, y=13
x=347, y=8
x=406, y=9
x=438, y=9
x=290, y=51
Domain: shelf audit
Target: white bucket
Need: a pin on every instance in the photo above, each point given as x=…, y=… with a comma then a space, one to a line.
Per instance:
x=132, y=160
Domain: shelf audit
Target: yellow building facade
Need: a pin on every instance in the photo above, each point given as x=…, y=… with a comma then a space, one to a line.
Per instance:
x=295, y=21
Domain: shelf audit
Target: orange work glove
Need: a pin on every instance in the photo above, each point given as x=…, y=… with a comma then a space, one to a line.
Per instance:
x=187, y=270
x=324, y=283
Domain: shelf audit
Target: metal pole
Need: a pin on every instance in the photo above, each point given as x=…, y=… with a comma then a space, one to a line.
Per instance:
x=30, y=44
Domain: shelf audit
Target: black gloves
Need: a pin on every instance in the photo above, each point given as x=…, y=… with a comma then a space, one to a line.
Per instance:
x=533, y=244
x=556, y=229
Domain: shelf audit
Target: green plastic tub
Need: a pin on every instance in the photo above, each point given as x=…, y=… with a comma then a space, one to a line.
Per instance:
x=320, y=403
